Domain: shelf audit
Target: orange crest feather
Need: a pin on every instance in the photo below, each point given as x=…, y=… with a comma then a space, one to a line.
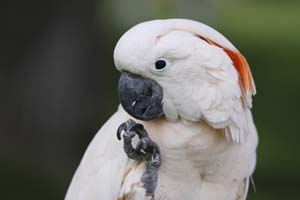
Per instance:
x=241, y=65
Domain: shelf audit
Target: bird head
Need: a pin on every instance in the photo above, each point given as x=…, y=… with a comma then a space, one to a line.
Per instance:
x=180, y=68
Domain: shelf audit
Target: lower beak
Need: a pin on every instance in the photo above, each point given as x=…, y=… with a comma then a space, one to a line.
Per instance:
x=140, y=97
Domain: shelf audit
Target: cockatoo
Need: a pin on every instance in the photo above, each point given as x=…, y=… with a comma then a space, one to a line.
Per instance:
x=190, y=91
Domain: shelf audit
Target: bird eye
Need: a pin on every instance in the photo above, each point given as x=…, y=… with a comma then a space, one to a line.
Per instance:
x=160, y=64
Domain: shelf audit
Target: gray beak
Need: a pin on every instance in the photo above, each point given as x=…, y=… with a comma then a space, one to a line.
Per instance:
x=140, y=97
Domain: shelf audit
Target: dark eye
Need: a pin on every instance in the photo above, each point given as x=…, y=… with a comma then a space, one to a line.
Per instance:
x=160, y=64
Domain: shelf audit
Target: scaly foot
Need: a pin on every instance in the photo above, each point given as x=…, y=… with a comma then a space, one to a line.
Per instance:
x=146, y=150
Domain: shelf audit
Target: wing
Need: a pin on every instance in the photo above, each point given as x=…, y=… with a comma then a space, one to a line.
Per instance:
x=100, y=173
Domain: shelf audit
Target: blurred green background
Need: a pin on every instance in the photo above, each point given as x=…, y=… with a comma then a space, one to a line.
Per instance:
x=58, y=84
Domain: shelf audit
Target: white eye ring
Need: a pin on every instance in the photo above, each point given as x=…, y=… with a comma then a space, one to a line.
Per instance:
x=161, y=65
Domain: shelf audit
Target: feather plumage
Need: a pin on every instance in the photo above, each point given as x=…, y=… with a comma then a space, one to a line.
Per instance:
x=207, y=137
x=102, y=160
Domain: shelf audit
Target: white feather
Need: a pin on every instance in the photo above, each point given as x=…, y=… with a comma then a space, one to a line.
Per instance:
x=208, y=146
x=101, y=170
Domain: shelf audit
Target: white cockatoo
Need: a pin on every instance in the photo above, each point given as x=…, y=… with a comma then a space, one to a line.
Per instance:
x=190, y=90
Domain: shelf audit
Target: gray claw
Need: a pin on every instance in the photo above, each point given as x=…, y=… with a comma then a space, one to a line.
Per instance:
x=131, y=126
x=121, y=128
x=126, y=126
x=146, y=150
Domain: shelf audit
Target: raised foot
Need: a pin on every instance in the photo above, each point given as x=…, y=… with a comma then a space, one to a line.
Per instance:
x=146, y=150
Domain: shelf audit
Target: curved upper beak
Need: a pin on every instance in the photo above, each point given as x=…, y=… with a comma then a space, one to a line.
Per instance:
x=140, y=97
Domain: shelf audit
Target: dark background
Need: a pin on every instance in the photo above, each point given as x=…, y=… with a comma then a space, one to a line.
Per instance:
x=58, y=84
